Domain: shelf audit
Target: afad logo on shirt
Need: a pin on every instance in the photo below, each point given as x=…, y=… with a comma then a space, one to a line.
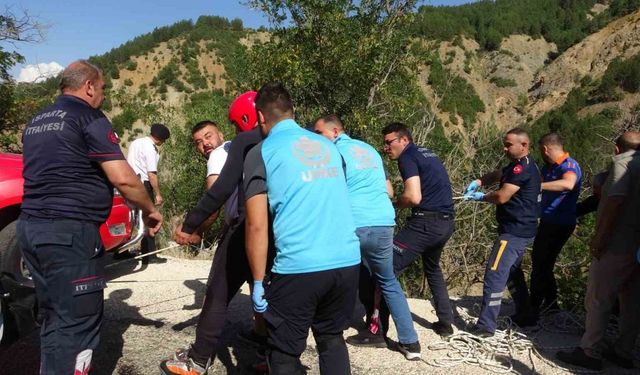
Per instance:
x=112, y=137
x=316, y=155
x=517, y=169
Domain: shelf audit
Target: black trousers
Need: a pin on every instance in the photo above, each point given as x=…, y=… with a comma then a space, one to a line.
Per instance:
x=148, y=243
x=229, y=270
x=322, y=301
x=425, y=237
x=546, y=248
x=66, y=261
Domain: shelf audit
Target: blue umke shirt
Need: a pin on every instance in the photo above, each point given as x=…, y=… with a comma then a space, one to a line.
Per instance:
x=366, y=181
x=301, y=173
x=559, y=207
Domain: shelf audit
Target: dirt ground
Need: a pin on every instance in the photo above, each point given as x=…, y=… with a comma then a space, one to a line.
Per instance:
x=151, y=311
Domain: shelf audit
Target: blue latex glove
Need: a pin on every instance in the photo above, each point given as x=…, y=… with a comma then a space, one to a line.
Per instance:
x=475, y=196
x=259, y=303
x=473, y=186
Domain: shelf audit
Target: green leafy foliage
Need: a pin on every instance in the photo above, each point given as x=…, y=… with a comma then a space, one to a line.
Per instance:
x=456, y=95
x=620, y=74
x=341, y=57
x=123, y=121
x=131, y=65
x=503, y=82
x=562, y=22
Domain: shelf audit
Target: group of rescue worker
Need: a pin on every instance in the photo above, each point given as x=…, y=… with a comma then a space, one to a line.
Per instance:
x=309, y=224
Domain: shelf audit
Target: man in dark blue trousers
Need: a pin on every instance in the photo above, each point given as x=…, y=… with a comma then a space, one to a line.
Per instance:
x=72, y=161
x=517, y=203
x=427, y=192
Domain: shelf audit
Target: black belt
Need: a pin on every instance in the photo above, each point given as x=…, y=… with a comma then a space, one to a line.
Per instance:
x=431, y=214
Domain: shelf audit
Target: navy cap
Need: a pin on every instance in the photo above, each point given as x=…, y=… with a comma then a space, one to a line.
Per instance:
x=160, y=132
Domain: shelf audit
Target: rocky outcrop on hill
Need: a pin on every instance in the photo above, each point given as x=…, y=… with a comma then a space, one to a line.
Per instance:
x=591, y=57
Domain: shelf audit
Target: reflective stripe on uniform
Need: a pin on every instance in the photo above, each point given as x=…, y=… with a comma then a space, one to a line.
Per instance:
x=503, y=245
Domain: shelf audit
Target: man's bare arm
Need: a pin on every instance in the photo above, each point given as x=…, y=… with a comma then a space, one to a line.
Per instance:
x=390, y=191
x=490, y=178
x=502, y=195
x=120, y=174
x=411, y=195
x=566, y=183
x=257, y=234
x=153, y=181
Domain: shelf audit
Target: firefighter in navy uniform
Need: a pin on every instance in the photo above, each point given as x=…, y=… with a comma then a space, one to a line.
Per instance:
x=517, y=210
x=72, y=161
x=427, y=191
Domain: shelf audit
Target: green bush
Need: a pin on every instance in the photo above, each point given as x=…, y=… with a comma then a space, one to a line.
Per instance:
x=123, y=121
x=131, y=65
x=562, y=22
x=503, y=82
x=457, y=95
x=620, y=74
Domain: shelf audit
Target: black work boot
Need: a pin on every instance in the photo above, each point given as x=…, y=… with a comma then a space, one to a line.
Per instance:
x=367, y=339
x=579, y=358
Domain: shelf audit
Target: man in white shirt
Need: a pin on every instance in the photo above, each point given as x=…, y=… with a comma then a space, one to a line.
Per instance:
x=143, y=157
x=210, y=143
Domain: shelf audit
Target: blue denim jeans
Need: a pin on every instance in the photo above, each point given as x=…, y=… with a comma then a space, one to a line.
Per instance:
x=376, y=247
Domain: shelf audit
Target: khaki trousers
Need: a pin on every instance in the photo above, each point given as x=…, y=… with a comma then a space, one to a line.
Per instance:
x=615, y=275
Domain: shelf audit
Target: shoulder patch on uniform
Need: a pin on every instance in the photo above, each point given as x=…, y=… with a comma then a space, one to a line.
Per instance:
x=517, y=169
x=112, y=137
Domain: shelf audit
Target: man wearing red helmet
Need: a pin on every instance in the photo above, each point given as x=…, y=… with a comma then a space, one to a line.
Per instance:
x=230, y=268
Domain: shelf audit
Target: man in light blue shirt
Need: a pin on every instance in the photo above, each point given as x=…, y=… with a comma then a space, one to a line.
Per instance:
x=297, y=177
x=374, y=218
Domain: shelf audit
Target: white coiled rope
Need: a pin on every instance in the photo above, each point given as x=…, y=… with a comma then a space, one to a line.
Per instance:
x=496, y=354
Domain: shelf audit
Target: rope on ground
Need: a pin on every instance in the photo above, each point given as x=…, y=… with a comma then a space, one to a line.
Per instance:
x=496, y=354
x=142, y=255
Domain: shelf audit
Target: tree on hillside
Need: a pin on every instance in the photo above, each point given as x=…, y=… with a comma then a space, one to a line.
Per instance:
x=14, y=28
x=339, y=56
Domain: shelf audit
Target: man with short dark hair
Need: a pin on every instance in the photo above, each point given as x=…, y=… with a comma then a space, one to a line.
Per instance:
x=143, y=156
x=561, y=182
x=517, y=203
x=72, y=161
x=229, y=268
x=374, y=218
x=210, y=143
x=297, y=176
x=614, y=273
x=427, y=192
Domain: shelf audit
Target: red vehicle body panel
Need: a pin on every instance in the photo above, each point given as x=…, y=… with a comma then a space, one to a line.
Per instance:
x=114, y=232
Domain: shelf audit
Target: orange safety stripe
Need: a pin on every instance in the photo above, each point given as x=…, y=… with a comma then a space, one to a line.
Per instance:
x=562, y=158
x=180, y=371
x=503, y=245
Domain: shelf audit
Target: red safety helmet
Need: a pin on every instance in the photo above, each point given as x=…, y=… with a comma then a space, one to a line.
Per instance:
x=242, y=112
